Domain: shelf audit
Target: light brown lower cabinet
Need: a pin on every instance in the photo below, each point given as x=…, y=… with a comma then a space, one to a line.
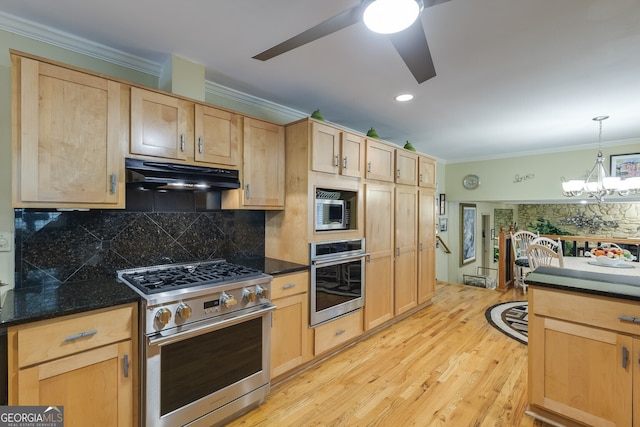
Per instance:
x=584, y=358
x=85, y=363
x=331, y=334
x=290, y=334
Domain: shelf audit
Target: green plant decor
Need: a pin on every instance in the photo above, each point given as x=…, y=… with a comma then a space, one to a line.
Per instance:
x=544, y=226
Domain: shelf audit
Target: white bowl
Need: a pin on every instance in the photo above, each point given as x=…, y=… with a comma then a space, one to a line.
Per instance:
x=605, y=260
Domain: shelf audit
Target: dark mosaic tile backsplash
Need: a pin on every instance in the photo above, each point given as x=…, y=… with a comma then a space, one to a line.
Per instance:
x=58, y=247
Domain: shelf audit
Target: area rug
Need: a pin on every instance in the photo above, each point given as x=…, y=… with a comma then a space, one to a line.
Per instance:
x=510, y=318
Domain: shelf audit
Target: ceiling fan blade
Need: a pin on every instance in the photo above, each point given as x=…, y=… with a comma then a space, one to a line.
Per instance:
x=412, y=46
x=331, y=25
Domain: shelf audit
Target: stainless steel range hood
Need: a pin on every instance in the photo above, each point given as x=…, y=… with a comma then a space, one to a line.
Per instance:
x=178, y=176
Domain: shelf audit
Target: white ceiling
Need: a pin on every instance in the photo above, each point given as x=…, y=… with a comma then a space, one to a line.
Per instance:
x=514, y=76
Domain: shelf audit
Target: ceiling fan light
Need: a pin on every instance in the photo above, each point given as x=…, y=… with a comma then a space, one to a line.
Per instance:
x=404, y=97
x=390, y=16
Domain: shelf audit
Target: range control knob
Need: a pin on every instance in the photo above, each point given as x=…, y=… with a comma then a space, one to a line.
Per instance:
x=262, y=292
x=163, y=316
x=183, y=311
x=249, y=295
x=227, y=300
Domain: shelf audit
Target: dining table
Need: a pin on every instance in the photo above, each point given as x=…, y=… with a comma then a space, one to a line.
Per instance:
x=625, y=268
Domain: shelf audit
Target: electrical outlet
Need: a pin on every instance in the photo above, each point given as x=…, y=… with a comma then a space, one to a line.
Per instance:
x=5, y=241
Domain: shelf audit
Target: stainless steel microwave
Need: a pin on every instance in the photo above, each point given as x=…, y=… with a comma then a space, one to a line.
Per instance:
x=331, y=214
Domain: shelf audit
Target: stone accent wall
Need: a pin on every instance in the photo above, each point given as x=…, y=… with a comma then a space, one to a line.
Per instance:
x=502, y=218
x=627, y=215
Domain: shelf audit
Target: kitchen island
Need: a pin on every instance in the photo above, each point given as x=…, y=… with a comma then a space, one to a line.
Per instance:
x=584, y=345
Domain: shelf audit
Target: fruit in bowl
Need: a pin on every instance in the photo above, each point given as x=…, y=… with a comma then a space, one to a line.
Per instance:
x=613, y=253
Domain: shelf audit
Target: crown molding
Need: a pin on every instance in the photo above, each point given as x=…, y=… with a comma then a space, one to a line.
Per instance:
x=247, y=99
x=76, y=44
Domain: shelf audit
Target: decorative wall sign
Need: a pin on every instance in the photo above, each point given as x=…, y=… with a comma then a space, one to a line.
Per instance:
x=625, y=165
x=520, y=178
x=443, y=204
x=443, y=225
x=467, y=233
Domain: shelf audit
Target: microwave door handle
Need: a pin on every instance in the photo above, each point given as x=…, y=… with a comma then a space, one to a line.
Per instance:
x=340, y=260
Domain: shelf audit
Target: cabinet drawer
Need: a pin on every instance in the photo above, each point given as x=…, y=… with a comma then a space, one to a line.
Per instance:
x=338, y=331
x=289, y=284
x=51, y=339
x=598, y=311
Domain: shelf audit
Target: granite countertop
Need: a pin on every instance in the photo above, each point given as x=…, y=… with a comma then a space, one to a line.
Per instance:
x=588, y=282
x=50, y=300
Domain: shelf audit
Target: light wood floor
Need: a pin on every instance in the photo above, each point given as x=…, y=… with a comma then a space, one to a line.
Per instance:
x=443, y=366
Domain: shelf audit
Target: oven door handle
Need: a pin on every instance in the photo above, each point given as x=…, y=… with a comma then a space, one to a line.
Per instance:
x=207, y=327
x=340, y=260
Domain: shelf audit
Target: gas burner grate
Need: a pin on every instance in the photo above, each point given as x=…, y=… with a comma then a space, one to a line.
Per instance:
x=165, y=278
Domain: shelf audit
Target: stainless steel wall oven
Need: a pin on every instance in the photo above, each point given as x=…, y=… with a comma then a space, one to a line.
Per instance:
x=205, y=347
x=337, y=278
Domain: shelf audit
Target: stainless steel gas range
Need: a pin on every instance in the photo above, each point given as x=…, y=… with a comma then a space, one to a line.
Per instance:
x=205, y=345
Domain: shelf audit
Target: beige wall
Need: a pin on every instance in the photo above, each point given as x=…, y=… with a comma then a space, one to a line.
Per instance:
x=499, y=181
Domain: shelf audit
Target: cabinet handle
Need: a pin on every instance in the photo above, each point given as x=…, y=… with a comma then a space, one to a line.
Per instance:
x=289, y=286
x=398, y=174
x=369, y=259
x=114, y=183
x=183, y=143
x=420, y=246
x=247, y=192
x=335, y=160
x=344, y=163
x=397, y=251
x=368, y=166
x=420, y=177
x=340, y=332
x=629, y=319
x=200, y=144
x=80, y=335
x=625, y=357
x=125, y=363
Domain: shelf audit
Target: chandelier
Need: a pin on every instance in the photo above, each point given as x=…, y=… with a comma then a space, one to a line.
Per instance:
x=597, y=183
x=390, y=16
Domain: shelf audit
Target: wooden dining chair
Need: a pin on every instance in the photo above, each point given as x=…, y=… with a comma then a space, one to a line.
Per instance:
x=541, y=255
x=519, y=243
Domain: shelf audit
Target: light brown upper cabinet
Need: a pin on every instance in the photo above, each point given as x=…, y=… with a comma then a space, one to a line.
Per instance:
x=263, y=168
x=335, y=151
x=427, y=172
x=380, y=161
x=406, y=167
x=170, y=127
x=216, y=134
x=159, y=125
x=67, y=126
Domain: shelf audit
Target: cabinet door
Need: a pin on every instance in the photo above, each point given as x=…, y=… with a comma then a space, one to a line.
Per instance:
x=289, y=333
x=352, y=161
x=426, y=246
x=263, y=168
x=159, y=125
x=67, y=150
x=325, y=148
x=580, y=371
x=92, y=386
x=406, y=167
x=427, y=172
x=216, y=133
x=380, y=161
x=406, y=244
x=379, y=234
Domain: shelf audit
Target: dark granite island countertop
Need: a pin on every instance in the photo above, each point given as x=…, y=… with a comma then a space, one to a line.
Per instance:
x=588, y=282
x=51, y=300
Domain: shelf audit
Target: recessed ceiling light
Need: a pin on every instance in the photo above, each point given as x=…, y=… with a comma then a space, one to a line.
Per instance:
x=404, y=97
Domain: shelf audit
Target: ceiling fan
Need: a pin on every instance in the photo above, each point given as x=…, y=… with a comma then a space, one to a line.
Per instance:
x=410, y=43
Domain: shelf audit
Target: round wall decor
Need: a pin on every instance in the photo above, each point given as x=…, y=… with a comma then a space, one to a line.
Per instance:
x=471, y=182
